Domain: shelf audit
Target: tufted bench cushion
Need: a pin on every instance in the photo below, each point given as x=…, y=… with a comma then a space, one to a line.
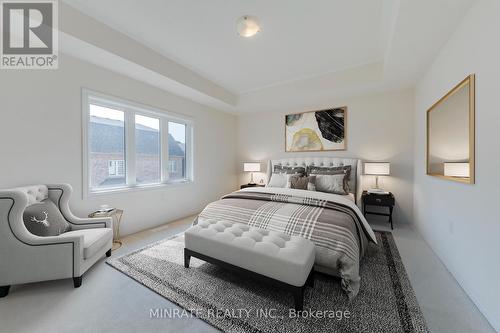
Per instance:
x=285, y=258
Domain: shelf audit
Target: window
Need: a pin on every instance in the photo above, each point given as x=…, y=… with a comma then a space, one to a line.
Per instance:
x=172, y=166
x=130, y=145
x=177, y=150
x=116, y=168
x=106, y=147
x=147, y=150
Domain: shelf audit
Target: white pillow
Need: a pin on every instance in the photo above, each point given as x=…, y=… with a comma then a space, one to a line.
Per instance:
x=277, y=180
x=331, y=184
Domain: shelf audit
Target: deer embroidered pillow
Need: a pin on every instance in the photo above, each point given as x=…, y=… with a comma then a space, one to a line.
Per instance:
x=45, y=219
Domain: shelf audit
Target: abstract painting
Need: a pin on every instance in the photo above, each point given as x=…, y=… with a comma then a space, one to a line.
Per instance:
x=316, y=130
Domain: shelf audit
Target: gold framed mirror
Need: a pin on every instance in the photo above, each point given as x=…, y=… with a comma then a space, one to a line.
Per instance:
x=451, y=134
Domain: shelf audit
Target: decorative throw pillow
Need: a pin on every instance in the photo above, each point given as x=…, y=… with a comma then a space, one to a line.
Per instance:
x=301, y=183
x=277, y=180
x=331, y=184
x=289, y=169
x=45, y=219
x=334, y=170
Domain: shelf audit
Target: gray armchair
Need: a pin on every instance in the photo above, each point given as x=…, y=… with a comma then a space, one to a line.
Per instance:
x=26, y=258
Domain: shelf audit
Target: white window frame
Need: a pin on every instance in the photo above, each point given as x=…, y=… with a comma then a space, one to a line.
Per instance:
x=130, y=109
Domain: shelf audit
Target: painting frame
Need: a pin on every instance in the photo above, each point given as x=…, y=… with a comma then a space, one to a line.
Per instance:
x=343, y=147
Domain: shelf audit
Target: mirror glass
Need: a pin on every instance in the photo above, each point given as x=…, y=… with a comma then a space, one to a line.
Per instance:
x=450, y=134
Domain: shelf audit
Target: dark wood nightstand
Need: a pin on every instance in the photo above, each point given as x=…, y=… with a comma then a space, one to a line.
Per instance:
x=380, y=200
x=251, y=185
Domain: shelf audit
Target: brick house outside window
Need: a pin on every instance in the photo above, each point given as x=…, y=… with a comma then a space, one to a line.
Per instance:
x=108, y=161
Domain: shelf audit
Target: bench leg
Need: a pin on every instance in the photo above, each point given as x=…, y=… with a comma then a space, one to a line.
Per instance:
x=298, y=298
x=187, y=258
x=4, y=291
x=310, y=279
x=77, y=281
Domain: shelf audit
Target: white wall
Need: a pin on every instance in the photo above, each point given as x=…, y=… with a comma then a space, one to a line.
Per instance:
x=41, y=131
x=461, y=222
x=380, y=128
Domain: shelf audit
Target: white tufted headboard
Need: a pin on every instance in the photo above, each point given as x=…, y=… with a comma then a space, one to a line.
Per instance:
x=356, y=168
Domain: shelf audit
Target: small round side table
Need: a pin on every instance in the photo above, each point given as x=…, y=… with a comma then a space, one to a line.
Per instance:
x=116, y=215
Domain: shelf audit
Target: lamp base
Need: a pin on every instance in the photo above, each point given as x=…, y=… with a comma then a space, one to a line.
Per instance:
x=252, y=183
x=377, y=191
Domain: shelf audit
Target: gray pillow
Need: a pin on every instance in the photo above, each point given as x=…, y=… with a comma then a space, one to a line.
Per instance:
x=301, y=183
x=331, y=184
x=289, y=169
x=45, y=219
x=334, y=170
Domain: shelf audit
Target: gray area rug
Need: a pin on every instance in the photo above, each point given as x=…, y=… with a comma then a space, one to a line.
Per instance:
x=233, y=303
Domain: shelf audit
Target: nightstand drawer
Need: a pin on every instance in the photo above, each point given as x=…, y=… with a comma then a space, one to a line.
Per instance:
x=379, y=200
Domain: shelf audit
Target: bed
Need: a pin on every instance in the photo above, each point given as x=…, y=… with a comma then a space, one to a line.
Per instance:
x=333, y=222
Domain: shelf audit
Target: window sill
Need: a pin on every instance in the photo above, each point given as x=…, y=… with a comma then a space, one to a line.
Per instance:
x=138, y=188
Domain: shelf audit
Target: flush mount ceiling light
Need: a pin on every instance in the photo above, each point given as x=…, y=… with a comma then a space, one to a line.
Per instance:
x=247, y=26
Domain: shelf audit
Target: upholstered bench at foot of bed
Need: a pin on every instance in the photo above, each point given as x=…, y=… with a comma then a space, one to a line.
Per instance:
x=272, y=256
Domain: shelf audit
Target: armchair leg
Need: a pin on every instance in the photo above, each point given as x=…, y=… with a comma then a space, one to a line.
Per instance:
x=108, y=253
x=4, y=291
x=77, y=281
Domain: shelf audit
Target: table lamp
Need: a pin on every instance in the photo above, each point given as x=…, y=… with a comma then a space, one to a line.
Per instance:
x=377, y=169
x=251, y=167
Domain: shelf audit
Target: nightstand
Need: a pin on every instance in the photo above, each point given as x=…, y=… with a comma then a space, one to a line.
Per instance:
x=251, y=185
x=379, y=200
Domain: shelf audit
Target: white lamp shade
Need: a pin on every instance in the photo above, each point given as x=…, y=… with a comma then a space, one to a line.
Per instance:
x=251, y=167
x=453, y=169
x=378, y=168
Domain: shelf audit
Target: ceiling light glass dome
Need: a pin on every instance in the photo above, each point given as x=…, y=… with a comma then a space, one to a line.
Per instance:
x=247, y=26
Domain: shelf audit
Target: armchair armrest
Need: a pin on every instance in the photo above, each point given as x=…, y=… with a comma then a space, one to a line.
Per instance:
x=60, y=195
x=54, y=240
x=94, y=222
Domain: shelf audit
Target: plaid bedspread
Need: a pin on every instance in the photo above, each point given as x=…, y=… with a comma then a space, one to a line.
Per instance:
x=334, y=228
